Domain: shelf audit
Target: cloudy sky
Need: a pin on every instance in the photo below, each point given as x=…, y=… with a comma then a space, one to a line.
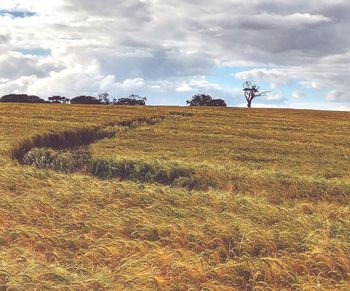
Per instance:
x=169, y=50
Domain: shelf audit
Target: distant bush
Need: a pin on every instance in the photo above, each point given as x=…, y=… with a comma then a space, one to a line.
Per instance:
x=217, y=102
x=84, y=100
x=58, y=99
x=131, y=100
x=22, y=98
x=205, y=100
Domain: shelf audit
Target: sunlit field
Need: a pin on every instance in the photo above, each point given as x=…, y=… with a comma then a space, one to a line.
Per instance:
x=147, y=198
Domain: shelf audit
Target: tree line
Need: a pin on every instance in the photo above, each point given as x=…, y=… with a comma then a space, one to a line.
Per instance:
x=250, y=90
x=103, y=99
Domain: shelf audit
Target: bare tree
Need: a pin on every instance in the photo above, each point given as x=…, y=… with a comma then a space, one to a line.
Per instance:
x=251, y=91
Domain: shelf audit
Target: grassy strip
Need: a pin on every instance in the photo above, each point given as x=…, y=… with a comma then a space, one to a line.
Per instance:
x=63, y=161
x=139, y=171
x=80, y=160
x=275, y=186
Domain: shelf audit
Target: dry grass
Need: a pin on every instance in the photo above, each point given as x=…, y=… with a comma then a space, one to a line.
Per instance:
x=279, y=153
x=268, y=209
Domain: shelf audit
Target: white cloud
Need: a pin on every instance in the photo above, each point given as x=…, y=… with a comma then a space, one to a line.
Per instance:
x=184, y=88
x=276, y=77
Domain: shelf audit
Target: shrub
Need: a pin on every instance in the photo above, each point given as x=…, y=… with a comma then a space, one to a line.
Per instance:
x=205, y=100
x=85, y=100
x=131, y=100
x=217, y=102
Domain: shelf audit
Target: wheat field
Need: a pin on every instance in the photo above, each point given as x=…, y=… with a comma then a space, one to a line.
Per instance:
x=171, y=198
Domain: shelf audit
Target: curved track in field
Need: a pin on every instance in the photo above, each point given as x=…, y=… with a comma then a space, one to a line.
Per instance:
x=75, y=138
x=31, y=152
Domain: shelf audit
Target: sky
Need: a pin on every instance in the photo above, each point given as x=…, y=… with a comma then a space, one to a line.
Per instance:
x=170, y=50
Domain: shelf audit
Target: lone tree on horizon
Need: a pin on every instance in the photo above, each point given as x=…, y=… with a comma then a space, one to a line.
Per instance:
x=251, y=91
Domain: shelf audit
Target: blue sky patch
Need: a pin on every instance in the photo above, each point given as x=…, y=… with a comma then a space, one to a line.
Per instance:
x=35, y=52
x=17, y=14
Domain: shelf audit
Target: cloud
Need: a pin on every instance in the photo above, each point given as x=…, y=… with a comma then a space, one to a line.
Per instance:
x=337, y=96
x=82, y=81
x=160, y=47
x=276, y=77
x=15, y=65
x=184, y=88
x=298, y=94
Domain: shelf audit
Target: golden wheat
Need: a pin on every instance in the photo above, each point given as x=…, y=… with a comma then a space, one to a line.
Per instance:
x=268, y=207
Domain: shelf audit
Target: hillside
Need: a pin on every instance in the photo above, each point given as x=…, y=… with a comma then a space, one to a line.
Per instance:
x=173, y=198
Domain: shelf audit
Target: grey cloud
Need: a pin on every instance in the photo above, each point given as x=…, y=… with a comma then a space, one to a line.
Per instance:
x=160, y=64
x=16, y=65
x=272, y=41
x=134, y=10
x=150, y=64
x=4, y=39
x=178, y=40
x=338, y=96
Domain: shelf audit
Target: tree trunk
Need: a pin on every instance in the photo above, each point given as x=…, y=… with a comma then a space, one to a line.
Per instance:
x=249, y=105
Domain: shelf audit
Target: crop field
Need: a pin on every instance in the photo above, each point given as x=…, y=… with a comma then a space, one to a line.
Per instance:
x=171, y=198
